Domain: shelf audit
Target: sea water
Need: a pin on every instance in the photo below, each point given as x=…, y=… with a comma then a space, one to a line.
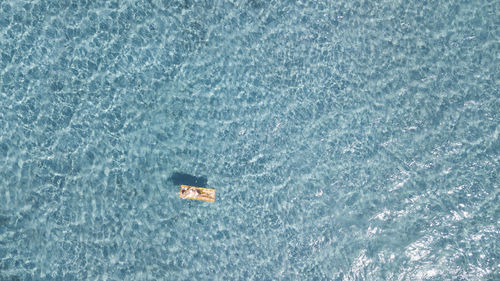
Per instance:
x=347, y=140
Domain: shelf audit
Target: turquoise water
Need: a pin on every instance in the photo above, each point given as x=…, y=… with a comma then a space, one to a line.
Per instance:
x=347, y=140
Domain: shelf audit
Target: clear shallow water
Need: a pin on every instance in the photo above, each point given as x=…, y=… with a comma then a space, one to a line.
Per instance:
x=347, y=140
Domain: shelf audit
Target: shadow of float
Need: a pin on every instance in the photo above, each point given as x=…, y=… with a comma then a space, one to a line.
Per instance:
x=178, y=178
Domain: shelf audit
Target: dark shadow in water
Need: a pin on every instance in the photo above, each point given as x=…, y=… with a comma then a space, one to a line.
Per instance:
x=178, y=178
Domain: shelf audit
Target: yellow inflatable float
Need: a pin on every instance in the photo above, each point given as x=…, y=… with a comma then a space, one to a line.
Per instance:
x=197, y=193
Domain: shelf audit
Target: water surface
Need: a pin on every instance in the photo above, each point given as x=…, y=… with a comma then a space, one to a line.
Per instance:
x=347, y=140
